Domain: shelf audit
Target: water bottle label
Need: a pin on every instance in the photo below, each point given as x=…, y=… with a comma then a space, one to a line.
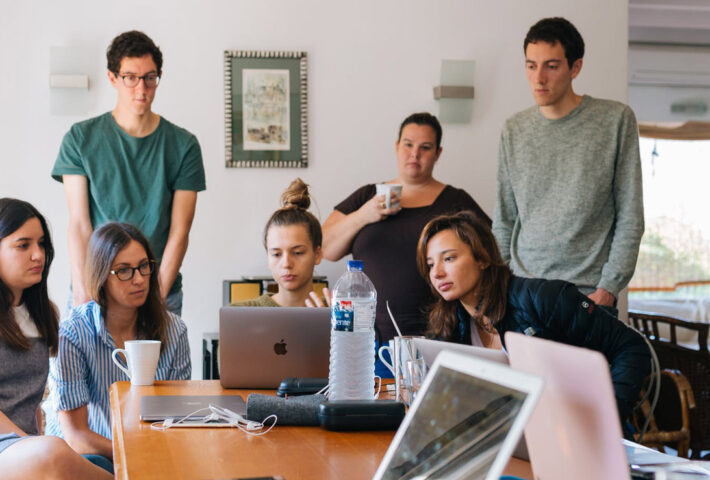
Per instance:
x=342, y=316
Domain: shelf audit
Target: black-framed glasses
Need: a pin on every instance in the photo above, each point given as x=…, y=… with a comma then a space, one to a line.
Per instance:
x=150, y=80
x=126, y=273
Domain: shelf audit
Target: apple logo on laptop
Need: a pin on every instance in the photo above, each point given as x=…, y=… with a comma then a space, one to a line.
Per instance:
x=280, y=348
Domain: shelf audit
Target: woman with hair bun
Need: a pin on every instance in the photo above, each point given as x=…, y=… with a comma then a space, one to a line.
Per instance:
x=292, y=239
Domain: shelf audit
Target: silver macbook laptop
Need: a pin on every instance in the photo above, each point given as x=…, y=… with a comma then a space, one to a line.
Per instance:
x=260, y=346
x=464, y=422
x=155, y=408
x=431, y=348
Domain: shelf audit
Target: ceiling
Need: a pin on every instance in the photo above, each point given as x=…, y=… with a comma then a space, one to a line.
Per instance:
x=683, y=22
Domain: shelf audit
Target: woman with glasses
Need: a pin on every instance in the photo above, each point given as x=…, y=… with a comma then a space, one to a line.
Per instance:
x=28, y=336
x=125, y=305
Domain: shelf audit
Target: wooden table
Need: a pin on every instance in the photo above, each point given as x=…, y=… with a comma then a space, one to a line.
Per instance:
x=211, y=453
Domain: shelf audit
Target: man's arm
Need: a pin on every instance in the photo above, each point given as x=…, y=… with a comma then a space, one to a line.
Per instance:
x=183, y=212
x=628, y=201
x=76, y=188
x=506, y=210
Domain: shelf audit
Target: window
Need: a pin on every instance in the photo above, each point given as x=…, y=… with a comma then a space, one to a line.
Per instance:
x=674, y=258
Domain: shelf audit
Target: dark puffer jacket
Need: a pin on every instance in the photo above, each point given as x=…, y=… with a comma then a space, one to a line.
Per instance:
x=556, y=310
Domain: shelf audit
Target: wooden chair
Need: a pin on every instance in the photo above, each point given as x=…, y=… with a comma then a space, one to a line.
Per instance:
x=694, y=363
x=670, y=423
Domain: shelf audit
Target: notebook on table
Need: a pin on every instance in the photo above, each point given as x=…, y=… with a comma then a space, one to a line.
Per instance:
x=260, y=346
x=464, y=422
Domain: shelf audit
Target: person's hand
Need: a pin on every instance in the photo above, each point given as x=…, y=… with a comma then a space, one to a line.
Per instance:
x=316, y=301
x=602, y=297
x=375, y=209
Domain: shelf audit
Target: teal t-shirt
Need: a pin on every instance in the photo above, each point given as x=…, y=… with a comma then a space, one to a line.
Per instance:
x=131, y=179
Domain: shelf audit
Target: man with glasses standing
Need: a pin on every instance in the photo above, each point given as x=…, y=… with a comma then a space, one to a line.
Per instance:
x=132, y=165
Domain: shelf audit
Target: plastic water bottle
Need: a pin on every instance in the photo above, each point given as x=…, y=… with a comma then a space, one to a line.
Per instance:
x=352, y=336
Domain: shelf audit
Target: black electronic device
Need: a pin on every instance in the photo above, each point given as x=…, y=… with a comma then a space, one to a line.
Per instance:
x=301, y=386
x=361, y=414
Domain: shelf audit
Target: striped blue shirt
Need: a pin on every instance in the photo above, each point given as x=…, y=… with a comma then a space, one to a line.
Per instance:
x=83, y=371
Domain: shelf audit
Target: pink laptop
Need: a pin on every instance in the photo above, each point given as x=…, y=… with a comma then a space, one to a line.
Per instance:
x=574, y=430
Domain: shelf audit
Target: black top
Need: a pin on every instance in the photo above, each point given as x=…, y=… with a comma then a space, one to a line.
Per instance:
x=388, y=249
x=556, y=310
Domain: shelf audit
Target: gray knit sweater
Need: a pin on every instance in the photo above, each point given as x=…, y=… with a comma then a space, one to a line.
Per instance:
x=569, y=202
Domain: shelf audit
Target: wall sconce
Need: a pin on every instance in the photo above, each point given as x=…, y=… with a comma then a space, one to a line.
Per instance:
x=69, y=80
x=455, y=94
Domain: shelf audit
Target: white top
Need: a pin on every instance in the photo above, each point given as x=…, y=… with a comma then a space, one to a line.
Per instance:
x=27, y=326
x=475, y=337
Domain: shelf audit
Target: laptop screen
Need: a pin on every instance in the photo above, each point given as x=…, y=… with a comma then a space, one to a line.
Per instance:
x=459, y=426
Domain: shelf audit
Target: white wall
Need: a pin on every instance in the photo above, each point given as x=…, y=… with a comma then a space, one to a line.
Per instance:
x=371, y=63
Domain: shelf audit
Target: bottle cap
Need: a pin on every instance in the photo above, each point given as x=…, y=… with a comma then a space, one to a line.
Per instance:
x=355, y=265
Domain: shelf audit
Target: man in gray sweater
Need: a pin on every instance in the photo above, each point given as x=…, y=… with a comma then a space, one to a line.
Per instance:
x=569, y=203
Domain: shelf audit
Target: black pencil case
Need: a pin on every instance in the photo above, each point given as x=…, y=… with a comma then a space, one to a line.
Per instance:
x=361, y=414
x=301, y=386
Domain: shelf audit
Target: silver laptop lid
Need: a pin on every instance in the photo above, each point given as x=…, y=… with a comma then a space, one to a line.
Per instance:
x=464, y=423
x=155, y=408
x=431, y=348
x=260, y=346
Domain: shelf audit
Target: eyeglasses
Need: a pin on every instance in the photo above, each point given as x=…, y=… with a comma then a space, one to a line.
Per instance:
x=126, y=273
x=150, y=80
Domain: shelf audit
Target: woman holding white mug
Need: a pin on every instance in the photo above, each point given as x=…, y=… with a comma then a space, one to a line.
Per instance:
x=125, y=306
x=382, y=230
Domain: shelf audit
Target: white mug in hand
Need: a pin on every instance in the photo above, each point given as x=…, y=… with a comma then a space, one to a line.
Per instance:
x=142, y=358
x=386, y=189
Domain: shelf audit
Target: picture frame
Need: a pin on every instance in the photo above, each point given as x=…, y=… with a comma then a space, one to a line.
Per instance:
x=266, y=109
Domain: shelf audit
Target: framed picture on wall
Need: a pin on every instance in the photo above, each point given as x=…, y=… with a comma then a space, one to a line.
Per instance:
x=265, y=109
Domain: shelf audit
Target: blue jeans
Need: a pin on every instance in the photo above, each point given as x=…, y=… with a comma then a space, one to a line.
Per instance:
x=100, y=461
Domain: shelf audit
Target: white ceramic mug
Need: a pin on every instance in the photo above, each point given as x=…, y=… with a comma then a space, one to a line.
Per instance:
x=386, y=189
x=142, y=359
x=403, y=352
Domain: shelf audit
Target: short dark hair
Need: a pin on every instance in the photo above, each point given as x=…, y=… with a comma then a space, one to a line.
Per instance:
x=133, y=44
x=13, y=215
x=423, y=118
x=105, y=244
x=554, y=30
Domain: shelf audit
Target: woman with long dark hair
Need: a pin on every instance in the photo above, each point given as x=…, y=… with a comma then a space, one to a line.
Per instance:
x=28, y=336
x=125, y=305
x=478, y=300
